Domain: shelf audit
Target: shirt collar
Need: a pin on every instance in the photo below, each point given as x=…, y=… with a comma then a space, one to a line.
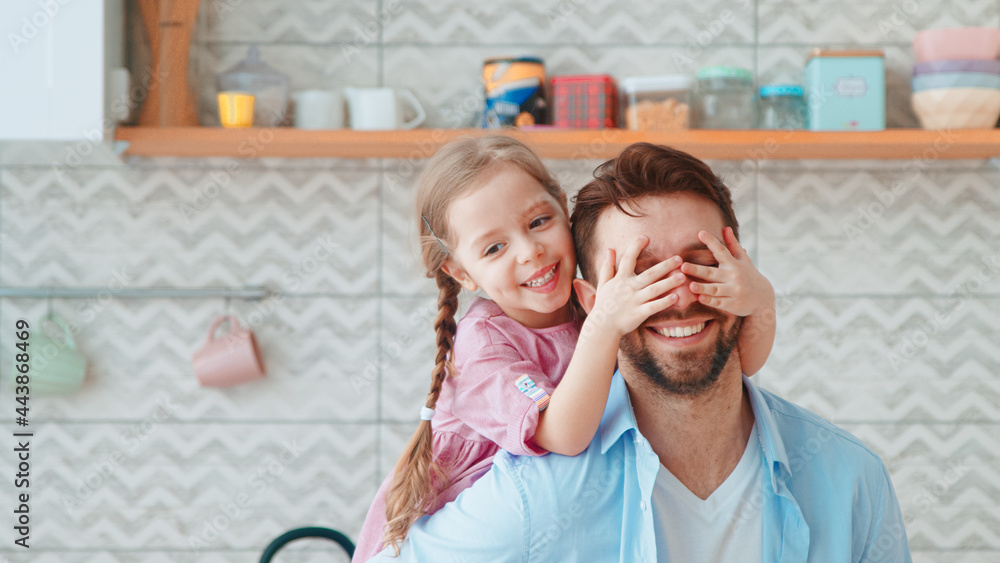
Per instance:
x=619, y=418
x=770, y=436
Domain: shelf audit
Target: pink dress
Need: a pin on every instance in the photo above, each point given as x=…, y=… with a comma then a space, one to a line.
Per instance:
x=481, y=410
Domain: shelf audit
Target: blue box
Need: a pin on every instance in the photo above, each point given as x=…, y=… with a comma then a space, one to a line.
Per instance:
x=845, y=90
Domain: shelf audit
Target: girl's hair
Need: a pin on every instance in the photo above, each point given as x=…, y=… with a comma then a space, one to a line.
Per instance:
x=458, y=168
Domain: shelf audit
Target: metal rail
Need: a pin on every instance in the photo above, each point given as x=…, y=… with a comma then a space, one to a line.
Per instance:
x=133, y=293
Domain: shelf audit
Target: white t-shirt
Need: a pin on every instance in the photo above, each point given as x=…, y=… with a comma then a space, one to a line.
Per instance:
x=727, y=526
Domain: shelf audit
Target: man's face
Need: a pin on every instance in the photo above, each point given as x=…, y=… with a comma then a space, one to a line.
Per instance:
x=685, y=365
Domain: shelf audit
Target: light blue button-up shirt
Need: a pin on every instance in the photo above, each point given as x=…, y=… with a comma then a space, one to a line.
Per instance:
x=824, y=497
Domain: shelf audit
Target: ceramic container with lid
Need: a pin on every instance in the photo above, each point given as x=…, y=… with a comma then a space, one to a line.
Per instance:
x=725, y=98
x=845, y=90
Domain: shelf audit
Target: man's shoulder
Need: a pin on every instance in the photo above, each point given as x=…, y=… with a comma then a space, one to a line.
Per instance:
x=807, y=437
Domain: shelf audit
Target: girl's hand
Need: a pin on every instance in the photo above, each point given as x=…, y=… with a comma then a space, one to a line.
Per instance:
x=736, y=287
x=625, y=299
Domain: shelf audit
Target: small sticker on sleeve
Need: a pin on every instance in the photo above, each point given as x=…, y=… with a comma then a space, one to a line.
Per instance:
x=528, y=387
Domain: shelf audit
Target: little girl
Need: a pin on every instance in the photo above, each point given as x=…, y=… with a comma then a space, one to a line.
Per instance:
x=521, y=371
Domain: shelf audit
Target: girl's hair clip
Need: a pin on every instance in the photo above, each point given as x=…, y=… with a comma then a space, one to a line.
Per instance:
x=433, y=234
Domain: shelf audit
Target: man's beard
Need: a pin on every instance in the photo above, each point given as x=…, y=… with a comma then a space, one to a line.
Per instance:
x=689, y=372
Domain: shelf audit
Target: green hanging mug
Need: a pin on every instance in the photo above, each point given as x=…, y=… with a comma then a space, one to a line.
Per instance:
x=55, y=366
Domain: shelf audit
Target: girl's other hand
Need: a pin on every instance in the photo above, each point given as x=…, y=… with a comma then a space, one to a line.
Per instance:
x=625, y=299
x=735, y=285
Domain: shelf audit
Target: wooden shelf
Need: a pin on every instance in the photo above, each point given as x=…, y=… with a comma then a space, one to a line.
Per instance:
x=562, y=144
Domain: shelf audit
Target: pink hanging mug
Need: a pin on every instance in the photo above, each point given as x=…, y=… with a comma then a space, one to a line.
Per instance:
x=230, y=360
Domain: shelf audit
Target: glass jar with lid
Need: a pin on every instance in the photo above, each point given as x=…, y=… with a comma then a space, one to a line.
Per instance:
x=268, y=85
x=656, y=103
x=782, y=107
x=725, y=98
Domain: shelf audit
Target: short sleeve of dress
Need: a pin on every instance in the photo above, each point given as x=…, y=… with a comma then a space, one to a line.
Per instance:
x=487, y=396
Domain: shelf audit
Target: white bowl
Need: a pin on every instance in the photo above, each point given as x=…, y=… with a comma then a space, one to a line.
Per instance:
x=957, y=108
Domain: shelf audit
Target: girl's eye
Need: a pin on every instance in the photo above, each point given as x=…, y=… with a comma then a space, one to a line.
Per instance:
x=494, y=249
x=539, y=222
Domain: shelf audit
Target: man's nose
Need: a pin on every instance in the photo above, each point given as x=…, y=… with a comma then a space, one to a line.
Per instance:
x=685, y=297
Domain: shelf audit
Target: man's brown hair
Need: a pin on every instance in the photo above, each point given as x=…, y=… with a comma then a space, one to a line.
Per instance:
x=642, y=169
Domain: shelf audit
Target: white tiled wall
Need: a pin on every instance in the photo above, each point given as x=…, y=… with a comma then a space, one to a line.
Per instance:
x=888, y=304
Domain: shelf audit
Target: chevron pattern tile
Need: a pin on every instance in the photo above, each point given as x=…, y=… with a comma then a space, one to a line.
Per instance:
x=303, y=21
x=203, y=486
x=139, y=358
x=926, y=228
x=945, y=477
x=302, y=231
x=402, y=266
x=857, y=22
x=407, y=356
x=555, y=21
x=888, y=359
x=448, y=81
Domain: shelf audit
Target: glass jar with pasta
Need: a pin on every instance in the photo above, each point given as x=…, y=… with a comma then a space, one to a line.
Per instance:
x=656, y=103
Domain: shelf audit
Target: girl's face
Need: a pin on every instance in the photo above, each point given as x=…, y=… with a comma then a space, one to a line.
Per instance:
x=512, y=239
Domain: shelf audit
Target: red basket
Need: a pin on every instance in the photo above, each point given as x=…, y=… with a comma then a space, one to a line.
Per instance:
x=586, y=101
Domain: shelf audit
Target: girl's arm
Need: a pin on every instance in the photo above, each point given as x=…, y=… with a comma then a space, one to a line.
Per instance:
x=623, y=301
x=740, y=289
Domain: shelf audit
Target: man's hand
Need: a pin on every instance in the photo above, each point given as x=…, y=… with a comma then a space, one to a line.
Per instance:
x=735, y=285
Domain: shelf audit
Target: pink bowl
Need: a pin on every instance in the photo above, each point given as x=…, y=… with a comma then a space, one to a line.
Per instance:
x=958, y=43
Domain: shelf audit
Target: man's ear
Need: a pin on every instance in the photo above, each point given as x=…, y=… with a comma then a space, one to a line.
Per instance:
x=459, y=275
x=585, y=293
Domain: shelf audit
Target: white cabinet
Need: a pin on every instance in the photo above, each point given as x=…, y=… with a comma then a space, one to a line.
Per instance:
x=54, y=68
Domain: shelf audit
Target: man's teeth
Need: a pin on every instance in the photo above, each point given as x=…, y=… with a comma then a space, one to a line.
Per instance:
x=538, y=282
x=681, y=331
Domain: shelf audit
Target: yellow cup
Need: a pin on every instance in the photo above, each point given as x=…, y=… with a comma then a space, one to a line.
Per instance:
x=236, y=109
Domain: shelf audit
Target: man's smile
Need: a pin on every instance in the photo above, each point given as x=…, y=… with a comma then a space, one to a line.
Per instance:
x=682, y=333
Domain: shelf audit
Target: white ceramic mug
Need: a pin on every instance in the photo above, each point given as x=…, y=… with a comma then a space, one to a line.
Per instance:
x=373, y=109
x=319, y=109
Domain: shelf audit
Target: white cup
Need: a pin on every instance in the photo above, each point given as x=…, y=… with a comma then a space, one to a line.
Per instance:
x=373, y=109
x=319, y=109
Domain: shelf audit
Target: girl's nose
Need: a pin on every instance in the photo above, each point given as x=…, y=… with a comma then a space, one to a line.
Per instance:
x=530, y=250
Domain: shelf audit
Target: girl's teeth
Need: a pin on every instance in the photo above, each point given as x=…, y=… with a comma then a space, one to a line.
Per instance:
x=682, y=331
x=542, y=280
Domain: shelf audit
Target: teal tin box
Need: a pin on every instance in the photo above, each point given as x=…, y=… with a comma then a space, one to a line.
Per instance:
x=845, y=90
